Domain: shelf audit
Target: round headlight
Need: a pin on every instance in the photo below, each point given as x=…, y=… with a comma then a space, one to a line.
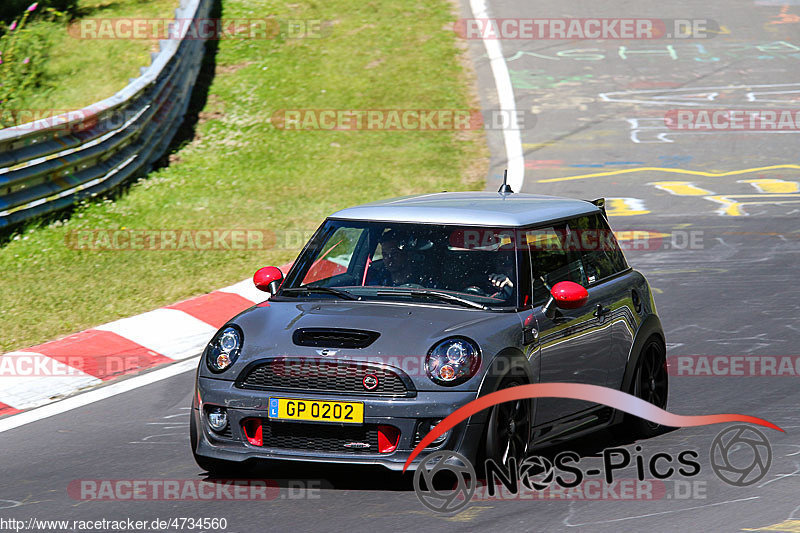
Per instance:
x=229, y=340
x=223, y=349
x=453, y=361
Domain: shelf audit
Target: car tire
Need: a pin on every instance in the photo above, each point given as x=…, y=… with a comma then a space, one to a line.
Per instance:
x=650, y=383
x=508, y=428
x=214, y=467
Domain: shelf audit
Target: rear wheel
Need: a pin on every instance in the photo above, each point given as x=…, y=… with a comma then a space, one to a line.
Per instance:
x=508, y=428
x=651, y=384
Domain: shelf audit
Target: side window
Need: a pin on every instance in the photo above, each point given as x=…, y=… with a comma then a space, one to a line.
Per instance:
x=598, y=247
x=551, y=260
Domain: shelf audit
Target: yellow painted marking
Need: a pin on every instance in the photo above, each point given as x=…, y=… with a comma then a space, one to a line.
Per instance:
x=734, y=208
x=723, y=30
x=657, y=291
x=792, y=526
x=681, y=188
x=625, y=207
x=729, y=207
x=669, y=171
x=533, y=146
x=773, y=185
x=467, y=515
x=689, y=271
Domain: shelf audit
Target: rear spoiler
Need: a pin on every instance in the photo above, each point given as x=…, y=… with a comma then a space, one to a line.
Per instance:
x=601, y=205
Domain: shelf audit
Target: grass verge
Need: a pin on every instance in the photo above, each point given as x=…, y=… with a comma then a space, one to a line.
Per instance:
x=239, y=171
x=78, y=72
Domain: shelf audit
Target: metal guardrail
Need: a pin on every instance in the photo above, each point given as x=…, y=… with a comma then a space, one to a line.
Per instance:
x=54, y=162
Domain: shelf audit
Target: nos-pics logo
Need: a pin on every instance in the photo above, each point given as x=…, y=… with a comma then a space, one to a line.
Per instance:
x=446, y=481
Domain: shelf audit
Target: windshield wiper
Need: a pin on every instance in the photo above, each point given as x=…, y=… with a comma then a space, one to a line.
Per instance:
x=434, y=295
x=325, y=290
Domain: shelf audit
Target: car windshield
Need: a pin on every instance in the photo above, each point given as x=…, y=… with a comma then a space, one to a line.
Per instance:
x=459, y=266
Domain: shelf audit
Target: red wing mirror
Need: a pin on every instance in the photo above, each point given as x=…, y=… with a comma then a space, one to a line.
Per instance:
x=268, y=279
x=569, y=295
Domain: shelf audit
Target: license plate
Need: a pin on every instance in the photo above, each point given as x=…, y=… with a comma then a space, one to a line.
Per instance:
x=316, y=410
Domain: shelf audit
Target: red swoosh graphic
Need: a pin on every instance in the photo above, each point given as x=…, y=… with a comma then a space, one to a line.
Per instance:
x=576, y=391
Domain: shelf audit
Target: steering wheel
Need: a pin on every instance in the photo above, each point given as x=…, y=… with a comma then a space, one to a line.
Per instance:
x=474, y=289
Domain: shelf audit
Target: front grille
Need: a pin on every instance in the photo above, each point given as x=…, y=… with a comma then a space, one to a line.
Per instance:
x=334, y=337
x=320, y=438
x=322, y=375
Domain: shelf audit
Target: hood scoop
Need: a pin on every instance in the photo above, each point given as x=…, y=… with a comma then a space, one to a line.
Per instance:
x=334, y=337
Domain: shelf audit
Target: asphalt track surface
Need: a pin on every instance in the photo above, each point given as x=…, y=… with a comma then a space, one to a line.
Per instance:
x=731, y=293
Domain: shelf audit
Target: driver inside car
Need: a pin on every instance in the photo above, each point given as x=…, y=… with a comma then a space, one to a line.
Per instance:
x=496, y=283
x=404, y=258
x=412, y=261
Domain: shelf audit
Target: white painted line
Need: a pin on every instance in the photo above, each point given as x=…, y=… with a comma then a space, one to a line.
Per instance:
x=170, y=332
x=569, y=524
x=96, y=395
x=505, y=95
x=48, y=379
x=247, y=290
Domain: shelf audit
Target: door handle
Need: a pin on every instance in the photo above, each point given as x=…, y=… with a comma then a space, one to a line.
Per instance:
x=600, y=311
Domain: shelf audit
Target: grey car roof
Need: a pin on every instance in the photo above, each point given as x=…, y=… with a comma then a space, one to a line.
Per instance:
x=481, y=208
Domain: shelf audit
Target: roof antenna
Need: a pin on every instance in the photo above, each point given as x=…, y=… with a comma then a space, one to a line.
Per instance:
x=505, y=188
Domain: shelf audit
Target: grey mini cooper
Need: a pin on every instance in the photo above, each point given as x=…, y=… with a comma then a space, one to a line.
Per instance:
x=398, y=312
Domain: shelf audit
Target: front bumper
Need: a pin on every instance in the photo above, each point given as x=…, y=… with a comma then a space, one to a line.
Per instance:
x=402, y=413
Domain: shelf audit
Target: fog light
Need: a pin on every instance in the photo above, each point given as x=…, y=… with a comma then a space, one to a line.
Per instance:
x=441, y=438
x=425, y=427
x=217, y=418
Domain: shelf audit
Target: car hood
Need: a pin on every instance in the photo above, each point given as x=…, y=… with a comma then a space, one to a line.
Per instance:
x=407, y=332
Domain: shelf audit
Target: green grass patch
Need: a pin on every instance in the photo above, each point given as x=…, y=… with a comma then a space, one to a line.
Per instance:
x=66, y=72
x=239, y=171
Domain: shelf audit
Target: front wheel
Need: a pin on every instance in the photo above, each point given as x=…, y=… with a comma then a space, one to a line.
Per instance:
x=508, y=428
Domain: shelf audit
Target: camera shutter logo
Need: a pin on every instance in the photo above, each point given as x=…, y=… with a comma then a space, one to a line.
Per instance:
x=753, y=464
x=536, y=473
x=449, y=500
